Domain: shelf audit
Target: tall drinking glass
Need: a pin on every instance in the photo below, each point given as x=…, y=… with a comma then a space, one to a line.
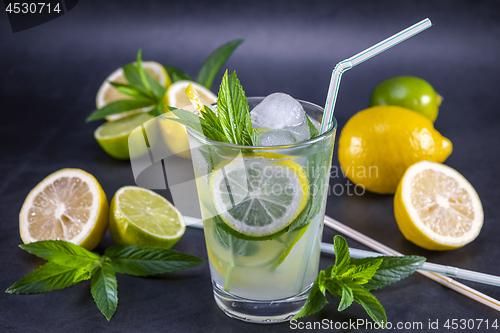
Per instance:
x=263, y=211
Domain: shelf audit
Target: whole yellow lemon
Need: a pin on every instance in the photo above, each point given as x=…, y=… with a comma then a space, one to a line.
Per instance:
x=378, y=144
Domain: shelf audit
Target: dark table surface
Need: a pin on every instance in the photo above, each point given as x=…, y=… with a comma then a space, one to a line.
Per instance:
x=49, y=76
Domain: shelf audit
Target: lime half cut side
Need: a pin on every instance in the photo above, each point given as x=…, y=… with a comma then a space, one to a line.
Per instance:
x=143, y=217
x=113, y=136
x=259, y=196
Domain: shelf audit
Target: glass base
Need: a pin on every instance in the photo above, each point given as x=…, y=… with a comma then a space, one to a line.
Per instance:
x=261, y=312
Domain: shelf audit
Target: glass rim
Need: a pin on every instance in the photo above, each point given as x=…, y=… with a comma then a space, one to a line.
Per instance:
x=299, y=144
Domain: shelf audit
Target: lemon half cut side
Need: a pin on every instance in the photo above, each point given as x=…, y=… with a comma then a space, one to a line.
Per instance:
x=67, y=205
x=437, y=208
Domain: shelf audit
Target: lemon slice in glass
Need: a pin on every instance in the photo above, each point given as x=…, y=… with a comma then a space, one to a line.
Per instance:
x=142, y=217
x=67, y=205
x=259, y=195
x=437, y=208
x=107, y=93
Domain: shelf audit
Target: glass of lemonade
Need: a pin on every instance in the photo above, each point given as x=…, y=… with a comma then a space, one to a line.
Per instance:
x=263, y=211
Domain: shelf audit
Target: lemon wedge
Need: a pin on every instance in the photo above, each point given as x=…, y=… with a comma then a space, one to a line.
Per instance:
x=176, y=94
x=67, y=205
x=175, y=134
x=437, y=208
x=107, y=93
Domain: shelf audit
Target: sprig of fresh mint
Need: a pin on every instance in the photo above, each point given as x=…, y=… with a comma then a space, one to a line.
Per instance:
x=145, y=91
x=352, y=279
x=69, y=264
x=232, y=121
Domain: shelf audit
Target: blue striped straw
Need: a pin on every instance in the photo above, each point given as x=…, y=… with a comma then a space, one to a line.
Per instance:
x=359, y=58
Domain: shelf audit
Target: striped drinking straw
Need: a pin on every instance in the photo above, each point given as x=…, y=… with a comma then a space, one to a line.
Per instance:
x=359, y=58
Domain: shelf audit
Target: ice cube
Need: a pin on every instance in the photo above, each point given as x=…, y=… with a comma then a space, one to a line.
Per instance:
x=276, y=138
x=301, y=131
x=277, y=111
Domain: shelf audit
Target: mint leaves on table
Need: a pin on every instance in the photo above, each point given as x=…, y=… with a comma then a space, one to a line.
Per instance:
x=232, y=121
x=144, y=91
x=352, y=280
x=69, y=264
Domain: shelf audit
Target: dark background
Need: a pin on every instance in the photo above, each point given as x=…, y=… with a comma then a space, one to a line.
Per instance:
x=50, y=74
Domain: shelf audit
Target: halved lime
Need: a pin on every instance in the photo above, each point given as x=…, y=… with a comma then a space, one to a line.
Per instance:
x=113, y=136
x=142, y=217
x=259, y=195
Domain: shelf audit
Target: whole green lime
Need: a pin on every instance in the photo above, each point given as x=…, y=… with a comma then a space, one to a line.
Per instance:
x=409, y=92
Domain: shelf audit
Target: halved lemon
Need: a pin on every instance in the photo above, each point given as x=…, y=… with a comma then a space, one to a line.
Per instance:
x=436, y=207
x=142, y=217
x=259, y=195
x=67, y=205
x=107, y=93
x=176, y=94
x=175, y=134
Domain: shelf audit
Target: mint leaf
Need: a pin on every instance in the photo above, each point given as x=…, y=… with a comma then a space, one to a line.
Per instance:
x=233, y=112
x=232, y=121
x=342, y=257
x=392, y=269
x=241, y=112
x=133, y=77
x=304, y=216
x=371, y=305
x=255, y=137
x=62, y=253
x=316, y=299
x=156, y=88
x=364, y=272
x=144, y=261
x=316, y=184
x=157, y=111
x=214, y=63
x=312, y=129
x=132, y=91
x=119, y=106
x=142, y=75
x=198, y=124
x=104, y=289
x=351, y=279
x=49, y=277
x=333, y=286
x=176, y=74
x=211, y=118
x=226, y=112
x=346, y=299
